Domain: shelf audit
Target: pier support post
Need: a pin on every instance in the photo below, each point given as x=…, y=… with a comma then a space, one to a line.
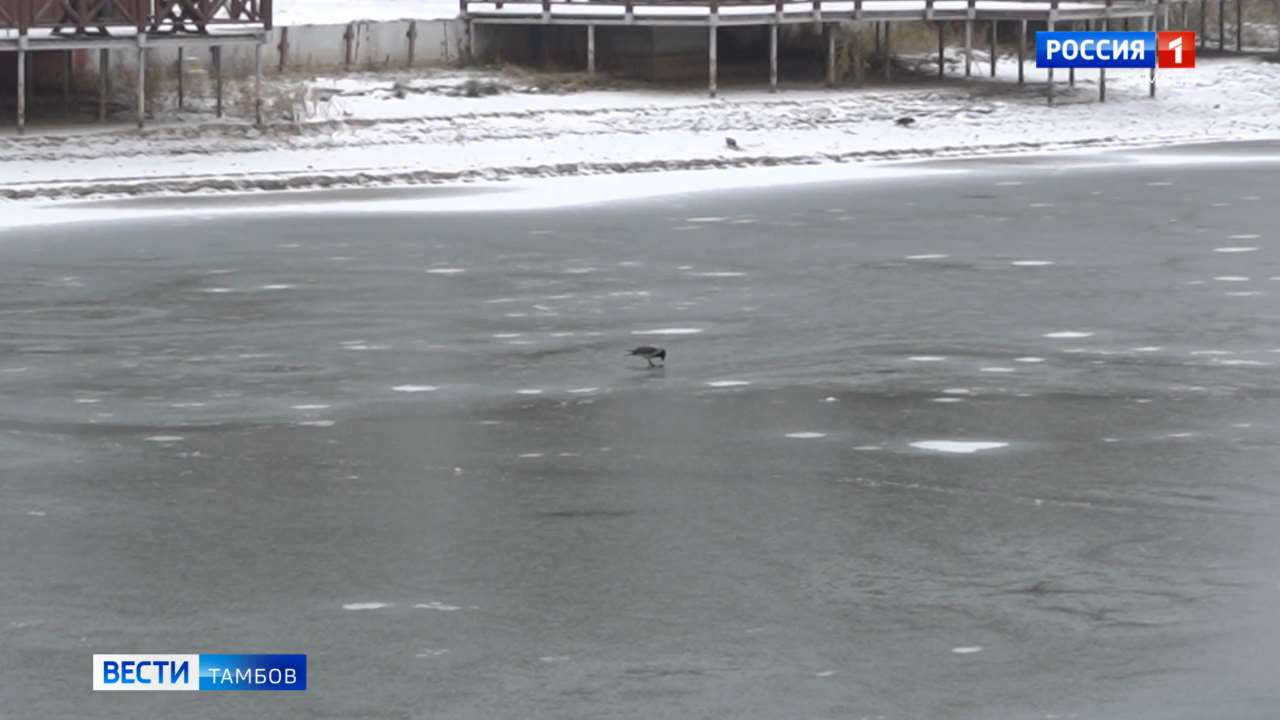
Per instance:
x=1102, y=72
x=181, y=64
x=1204, y=5
x=142, y=83
x=856, y=51
x=995, y=26
x=22, y=87
x=773, y=57
x=888, y=50
x=1151, y=24
x=257, y=84
x=66, y=81
x=1222, y=25
x=1239, y=25
x=1051, y=83
x=217, y=79
x=830, y=30
x=591, y=50
x=1022, y=51
x=968, y=47
x=942, y=67
x=711, y=57
x=104, y=82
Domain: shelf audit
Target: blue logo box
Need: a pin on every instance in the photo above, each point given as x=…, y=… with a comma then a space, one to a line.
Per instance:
x=1095, y=49
x=253, y=672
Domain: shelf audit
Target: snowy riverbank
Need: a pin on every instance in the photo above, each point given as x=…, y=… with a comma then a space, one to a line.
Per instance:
x=388, y=129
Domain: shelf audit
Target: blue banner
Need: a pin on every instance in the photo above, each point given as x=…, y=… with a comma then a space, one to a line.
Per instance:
x=1095, y=49
x=253, y=672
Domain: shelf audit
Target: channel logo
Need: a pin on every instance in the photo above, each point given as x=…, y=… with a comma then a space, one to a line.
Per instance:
x=1176, y=49
x=207, y=672
x=1117, y=49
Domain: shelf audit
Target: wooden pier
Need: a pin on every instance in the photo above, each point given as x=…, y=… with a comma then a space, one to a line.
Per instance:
x=828, y=15
x=29, y=26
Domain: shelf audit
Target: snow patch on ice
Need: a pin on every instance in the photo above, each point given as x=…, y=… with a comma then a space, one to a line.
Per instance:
x=367, y=605
x=806, y=435
x=1068, y=334
x=668, y=331
x=727, y=383
x=958, y=446
x=438, y=606
x=415, y=388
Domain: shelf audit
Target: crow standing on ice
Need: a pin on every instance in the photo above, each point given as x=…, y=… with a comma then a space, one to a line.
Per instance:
x=650, y=353
x=731, y=144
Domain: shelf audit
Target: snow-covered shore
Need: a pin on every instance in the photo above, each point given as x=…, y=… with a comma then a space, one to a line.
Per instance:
x=383, y=130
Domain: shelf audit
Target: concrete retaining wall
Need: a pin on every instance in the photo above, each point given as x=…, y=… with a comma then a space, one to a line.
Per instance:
x=315, y=48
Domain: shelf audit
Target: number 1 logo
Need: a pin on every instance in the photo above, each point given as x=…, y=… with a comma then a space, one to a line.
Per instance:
x=1176, y=49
